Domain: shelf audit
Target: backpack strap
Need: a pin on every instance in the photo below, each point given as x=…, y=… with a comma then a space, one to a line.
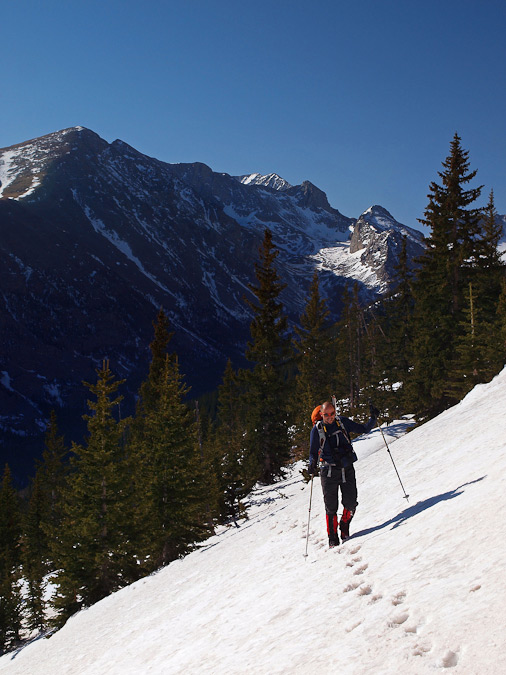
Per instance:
x=343, y=429
x=321, y=432
x=339, y=421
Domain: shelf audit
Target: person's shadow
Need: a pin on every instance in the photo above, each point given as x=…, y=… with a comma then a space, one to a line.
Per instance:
x=414, y=510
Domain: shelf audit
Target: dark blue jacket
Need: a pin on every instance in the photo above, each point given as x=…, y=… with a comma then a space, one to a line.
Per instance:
x=337, y=448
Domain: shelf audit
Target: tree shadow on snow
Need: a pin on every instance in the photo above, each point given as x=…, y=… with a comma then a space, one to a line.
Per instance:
x=397, y=429
x=263, y=496
x=414, y=510
x=25, y=643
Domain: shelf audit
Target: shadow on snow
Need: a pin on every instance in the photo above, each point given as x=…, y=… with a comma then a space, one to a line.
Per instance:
x=414, y=510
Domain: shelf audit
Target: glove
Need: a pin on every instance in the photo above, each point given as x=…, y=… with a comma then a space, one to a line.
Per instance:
x=312, y=468
x=374, y=412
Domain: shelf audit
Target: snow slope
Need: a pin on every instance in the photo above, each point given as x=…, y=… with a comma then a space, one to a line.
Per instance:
x=339, y=260
x=419, y=588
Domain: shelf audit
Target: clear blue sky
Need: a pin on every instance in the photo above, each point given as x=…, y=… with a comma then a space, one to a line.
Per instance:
x=362, y=98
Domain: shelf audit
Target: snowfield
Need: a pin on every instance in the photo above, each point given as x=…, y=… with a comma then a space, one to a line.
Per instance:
x=341, y=262
x=419, y=588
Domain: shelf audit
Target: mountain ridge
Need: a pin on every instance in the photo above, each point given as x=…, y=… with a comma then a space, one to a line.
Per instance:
x=96, y=237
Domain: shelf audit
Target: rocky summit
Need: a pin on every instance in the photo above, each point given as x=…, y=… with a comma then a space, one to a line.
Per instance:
x=96, y=237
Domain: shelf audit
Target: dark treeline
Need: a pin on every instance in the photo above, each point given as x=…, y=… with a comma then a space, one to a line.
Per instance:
x=143, y=491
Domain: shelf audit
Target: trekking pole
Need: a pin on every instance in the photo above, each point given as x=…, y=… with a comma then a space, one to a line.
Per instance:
x=400, y=481
x=309, y=515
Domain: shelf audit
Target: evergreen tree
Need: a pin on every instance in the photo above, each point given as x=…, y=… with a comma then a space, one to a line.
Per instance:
x=51, y=480
x=175, y=488
x=490, y=268
x=229, y=451
x=501, y=321
x=150, y=388
x=35, y=553
x=372, y=376
x=442, y=278
x=10, y=559
x=395, y=351
x=42, y=521
x=172, y=482
x=53, y=471
x=350, y=349
x=92, y=548
x=488, y=279
x=316, y=351
x=139, y=452
x=468, y=366
x=267, y=438
x=208, y=469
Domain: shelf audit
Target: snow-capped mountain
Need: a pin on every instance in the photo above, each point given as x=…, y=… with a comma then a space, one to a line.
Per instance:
x=372, y=252
x=96, y=237
x=377, y=238
x=418, y=589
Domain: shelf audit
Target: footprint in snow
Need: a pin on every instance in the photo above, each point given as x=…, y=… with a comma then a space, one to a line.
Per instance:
x=398, y=598
x=414, y=627
x=361, y=569
x=448, y=660
x=398, y=619
x=351, y=563
x=351, y=587
x=422, y=648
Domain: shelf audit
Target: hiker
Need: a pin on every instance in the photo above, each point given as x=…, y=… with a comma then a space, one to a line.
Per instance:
x=331, y=450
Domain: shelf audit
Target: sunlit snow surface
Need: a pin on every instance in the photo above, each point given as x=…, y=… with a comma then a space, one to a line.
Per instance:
x=270, y=180
x=27, y=159
x=5, y=169
x=419, y=588
x=341, y=262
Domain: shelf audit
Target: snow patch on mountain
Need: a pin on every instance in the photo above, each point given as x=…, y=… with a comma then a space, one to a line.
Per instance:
x=54, y=393
x=379, y=217
x=6, y=172
x=5, y=380
x=271, y=180
x=122, y=246
x=380, y=220
x=246, y=218
x=341, y=262
x=12, y=170
x=22, y=166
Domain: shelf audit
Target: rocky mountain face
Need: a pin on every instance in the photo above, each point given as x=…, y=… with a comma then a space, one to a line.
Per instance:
x=96, y=237
x=377, y=237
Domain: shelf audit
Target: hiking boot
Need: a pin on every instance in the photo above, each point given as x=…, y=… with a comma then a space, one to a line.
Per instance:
x=344, y=524
x=345, y=530
x=332, y=530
